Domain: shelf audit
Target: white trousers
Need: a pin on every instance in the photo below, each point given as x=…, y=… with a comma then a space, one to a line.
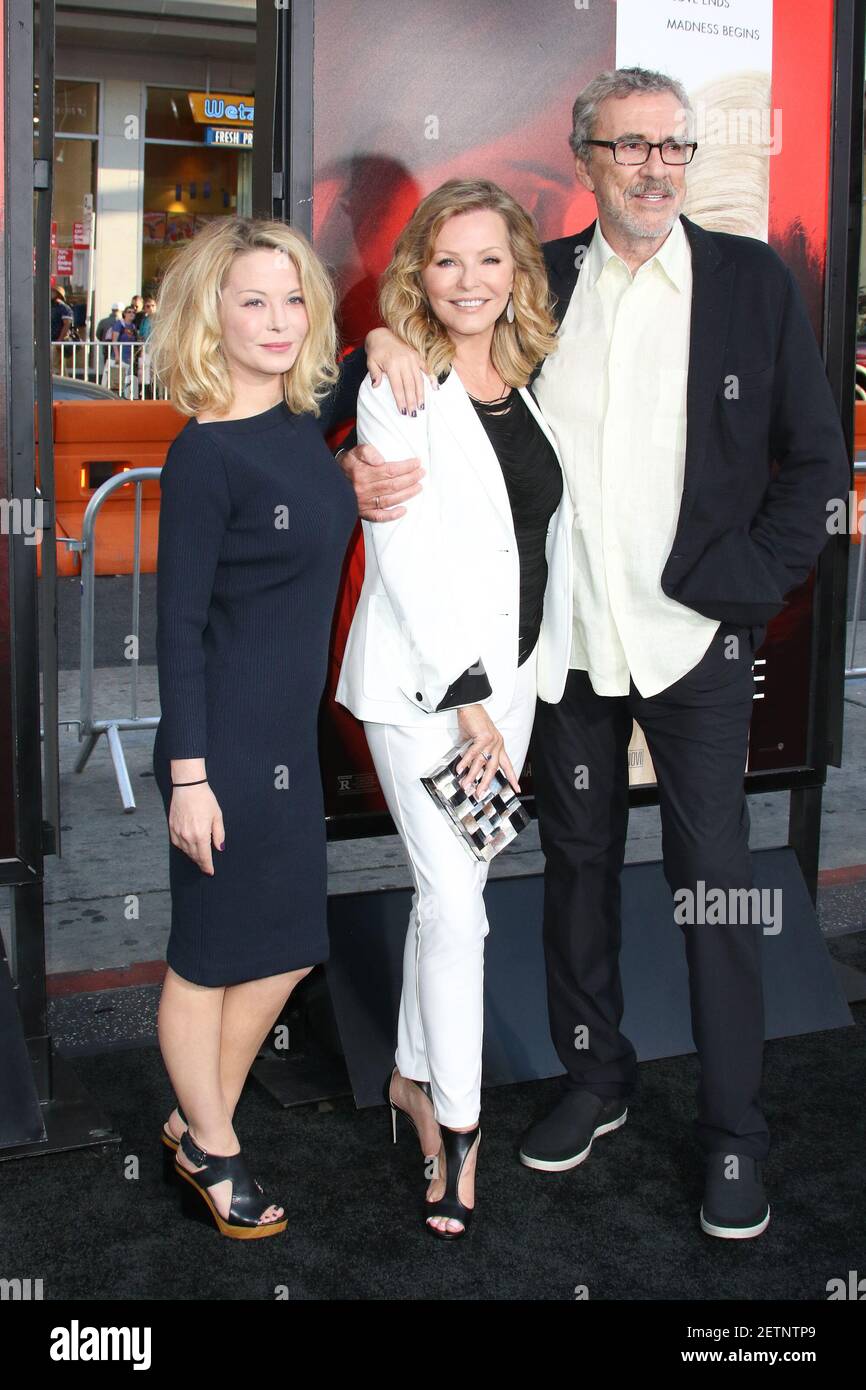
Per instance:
x=440, y=1025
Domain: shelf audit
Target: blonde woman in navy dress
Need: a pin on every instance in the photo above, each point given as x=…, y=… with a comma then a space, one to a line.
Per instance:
x=254, y=523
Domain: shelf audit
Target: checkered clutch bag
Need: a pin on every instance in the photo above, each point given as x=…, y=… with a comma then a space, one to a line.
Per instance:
x=485, y=827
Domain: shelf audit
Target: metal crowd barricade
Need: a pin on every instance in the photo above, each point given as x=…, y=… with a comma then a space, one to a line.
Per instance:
x=89, y=728
x=853, y=672
x=124, y=368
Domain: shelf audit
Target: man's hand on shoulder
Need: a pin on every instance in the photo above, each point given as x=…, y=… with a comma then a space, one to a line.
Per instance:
x=380, y=488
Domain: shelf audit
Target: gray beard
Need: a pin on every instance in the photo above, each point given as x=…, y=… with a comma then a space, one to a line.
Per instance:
x=635, y=228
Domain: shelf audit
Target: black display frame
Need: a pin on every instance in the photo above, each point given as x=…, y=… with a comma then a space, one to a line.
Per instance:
x=17, y=442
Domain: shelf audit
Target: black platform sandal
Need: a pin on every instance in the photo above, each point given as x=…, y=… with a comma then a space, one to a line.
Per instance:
x=457, y=1146
x=247, y=1204
x=386, y=1091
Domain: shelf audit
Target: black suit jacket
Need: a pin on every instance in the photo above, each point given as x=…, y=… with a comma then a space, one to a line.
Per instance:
x=764, y=445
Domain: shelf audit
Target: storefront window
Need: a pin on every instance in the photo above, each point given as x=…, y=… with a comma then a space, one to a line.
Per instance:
x=169, y=115
x=76, y=128
x=76, y=107
x=74, y=175
x=187, y=181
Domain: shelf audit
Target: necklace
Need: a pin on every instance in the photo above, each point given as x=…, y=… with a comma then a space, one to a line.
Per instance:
x=501, y=407
x=496, y=400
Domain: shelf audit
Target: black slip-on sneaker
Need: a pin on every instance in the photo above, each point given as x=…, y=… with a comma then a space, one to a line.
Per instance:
x=563, y=1138
x=735, y=1205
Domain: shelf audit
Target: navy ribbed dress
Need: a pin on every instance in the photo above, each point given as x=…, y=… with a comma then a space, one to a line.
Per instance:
x=255, y=519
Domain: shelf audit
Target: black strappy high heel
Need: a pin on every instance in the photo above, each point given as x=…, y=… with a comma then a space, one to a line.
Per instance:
x=423, y=1085
x=247, y=1203
x=457, y=1147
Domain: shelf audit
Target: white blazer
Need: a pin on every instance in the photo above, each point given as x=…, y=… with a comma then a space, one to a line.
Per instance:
x=442, y=583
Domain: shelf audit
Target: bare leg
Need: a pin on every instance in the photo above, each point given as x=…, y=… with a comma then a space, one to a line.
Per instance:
x=189, y=1027
x=406, y=1093
x=249, y=1012
x=193, y=1037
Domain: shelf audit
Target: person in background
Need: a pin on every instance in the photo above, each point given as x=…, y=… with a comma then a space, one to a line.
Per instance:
x=61, y=325
x=144, y=322
x=106, y=355
x=144, y=366
x=61, y=315
x=124, y=336
x=111, y=320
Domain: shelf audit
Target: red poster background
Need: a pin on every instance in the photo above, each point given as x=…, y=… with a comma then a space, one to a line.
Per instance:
x=407, y=96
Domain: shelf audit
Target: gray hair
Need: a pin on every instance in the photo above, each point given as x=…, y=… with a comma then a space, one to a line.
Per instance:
x=617, y=82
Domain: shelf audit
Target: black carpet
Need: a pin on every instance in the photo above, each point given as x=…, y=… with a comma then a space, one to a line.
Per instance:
x=624, y=1225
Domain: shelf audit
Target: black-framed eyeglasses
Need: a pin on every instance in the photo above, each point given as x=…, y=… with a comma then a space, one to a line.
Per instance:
x=639, y=151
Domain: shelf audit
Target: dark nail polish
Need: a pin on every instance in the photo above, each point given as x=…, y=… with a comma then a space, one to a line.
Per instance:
x=414, y=413
x=223, y=845
x=404, y=411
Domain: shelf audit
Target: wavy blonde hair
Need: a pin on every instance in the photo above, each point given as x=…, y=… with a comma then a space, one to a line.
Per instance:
x=184, y=343
x=517, y=347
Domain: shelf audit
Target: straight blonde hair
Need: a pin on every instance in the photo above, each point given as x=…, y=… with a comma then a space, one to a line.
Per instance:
x=184, y=343
x=518, y=347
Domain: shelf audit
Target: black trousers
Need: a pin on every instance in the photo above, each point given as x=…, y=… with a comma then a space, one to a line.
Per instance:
x=697, y=734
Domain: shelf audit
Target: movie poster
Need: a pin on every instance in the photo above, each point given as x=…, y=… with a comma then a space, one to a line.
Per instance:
x=448, y=91
x=153, y=228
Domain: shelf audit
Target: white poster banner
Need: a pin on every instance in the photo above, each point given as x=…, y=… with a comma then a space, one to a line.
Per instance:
x=695, y=40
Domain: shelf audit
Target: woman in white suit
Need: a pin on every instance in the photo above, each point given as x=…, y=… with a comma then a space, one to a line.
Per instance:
x=463, y=618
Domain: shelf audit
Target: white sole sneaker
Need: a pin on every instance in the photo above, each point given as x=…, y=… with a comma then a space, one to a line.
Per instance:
x=560, y=1165
x=734, y=1232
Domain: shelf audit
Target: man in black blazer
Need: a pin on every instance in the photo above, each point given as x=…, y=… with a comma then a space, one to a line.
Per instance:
x=756, y=391
x=758, y=441
x=748, y=452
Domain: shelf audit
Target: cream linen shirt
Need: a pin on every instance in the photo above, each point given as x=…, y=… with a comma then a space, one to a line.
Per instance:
x=614, y=394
